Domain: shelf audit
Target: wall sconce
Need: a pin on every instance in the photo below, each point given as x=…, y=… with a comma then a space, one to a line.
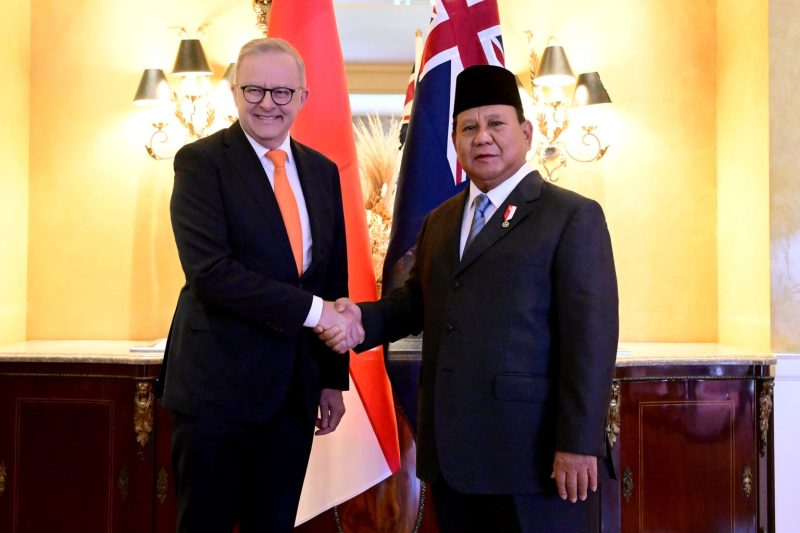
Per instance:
x=551, y=80
x=195, y=104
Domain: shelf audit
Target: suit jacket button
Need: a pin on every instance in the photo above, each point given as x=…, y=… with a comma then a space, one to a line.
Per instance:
x=456, y=284
x=450, y=327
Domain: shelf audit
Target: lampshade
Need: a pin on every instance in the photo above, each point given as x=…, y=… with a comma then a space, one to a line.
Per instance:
x=589, y=90
x=554, y=69
x=191, y=59
x=230, y=74
x=153, y=87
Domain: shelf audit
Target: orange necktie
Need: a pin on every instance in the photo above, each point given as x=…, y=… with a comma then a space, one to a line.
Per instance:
x=288, y=206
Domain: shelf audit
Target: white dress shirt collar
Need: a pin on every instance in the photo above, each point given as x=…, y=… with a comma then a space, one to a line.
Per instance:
x=260, y=150
x=496, y=196
x=499, y=194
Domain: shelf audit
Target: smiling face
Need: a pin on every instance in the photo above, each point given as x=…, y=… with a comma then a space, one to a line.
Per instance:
x=267, y=122
x=491, y=143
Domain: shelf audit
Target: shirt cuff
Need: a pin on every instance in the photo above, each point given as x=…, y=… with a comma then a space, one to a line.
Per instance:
x=315, y=313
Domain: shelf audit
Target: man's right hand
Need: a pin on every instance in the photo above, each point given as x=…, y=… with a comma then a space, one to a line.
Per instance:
x=340, y=325
x=575, y=475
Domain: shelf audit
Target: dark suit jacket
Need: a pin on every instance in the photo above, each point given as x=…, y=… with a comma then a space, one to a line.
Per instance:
x=238, y=328
x=520, y=339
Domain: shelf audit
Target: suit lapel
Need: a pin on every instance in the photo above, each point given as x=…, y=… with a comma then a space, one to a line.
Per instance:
x=248, y=167
x=524, y=197
x=451, y=228
x=316, y=203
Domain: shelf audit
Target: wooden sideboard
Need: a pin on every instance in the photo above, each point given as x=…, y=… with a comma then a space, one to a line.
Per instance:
x=85, y=448
x=695, y=450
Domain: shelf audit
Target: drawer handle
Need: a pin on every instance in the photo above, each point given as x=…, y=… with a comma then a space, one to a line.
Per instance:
x=162, y=485
x=122, y=483
x=747, y=480
x=627, y=484
x=3, y=475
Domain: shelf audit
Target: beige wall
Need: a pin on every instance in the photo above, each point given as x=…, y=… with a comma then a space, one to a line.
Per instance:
x=743, y=166
x=102, y=261
x=14, y=127
x=657, y=182
x=784, y=158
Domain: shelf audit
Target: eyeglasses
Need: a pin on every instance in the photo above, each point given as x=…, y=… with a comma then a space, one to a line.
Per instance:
x=280, y=95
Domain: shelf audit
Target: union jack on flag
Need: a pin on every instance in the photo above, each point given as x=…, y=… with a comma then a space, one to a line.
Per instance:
x=462, y=33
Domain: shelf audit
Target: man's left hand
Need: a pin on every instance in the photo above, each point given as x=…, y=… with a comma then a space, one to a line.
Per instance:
x=331, y=408
x=574, y=475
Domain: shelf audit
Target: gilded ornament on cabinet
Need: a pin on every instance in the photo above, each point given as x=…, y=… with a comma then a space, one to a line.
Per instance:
x=765, y=410
x=613, y=420
x=143, y=415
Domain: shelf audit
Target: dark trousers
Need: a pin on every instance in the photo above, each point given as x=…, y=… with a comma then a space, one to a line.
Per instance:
x=250, y=473
x=457, y=512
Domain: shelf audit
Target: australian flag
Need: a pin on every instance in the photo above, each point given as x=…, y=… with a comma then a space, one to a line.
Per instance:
x=462, y=33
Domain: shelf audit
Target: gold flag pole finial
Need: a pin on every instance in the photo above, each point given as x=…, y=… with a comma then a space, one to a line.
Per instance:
x=262, y=7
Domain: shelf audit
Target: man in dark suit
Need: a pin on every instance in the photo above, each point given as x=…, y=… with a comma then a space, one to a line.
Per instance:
x=245, y=374
x=515, y=289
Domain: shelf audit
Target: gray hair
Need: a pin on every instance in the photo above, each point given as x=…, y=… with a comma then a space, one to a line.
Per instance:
x=272, y=45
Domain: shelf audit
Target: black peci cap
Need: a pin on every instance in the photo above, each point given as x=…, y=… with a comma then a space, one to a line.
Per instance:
x=481, y=85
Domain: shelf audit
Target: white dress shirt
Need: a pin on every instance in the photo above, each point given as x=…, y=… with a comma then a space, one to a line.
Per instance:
x=496, y=196
x=314, y=314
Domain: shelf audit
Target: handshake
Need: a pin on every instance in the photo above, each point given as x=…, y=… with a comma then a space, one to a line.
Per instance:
x=340, y=325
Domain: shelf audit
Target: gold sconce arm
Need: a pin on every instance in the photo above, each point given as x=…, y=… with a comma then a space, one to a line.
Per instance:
x=551, y=79
x=196, y=103
x=159, y=136
x=591, y=140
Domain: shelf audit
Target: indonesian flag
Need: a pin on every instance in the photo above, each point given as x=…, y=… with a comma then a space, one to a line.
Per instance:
x=364, y=449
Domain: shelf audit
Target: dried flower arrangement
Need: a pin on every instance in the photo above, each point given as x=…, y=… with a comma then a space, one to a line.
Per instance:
x=379, y=155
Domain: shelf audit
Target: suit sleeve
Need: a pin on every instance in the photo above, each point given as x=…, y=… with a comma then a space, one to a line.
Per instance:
x=335, y=367
x=212, y=271
x=587, y=314
x=401, y=312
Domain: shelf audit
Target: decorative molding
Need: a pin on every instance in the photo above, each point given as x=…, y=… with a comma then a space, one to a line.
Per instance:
x=613, y=420
x=747, y=480
x=61, y=375
x=764, y=412
x=378, y=78
x=143, y=415
x=698, y=377
x=162, y=485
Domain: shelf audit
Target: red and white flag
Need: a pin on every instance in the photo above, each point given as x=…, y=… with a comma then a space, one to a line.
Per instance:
x=364, y=449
